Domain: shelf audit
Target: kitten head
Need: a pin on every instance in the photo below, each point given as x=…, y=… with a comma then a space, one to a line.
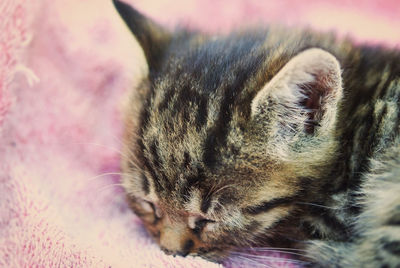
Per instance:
x=224, y=134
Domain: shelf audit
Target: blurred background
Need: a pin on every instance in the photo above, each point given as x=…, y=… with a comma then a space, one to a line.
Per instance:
x=371, y=20
x=65, y=68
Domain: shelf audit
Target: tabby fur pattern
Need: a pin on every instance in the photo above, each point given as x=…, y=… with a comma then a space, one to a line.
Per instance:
x=278, y=137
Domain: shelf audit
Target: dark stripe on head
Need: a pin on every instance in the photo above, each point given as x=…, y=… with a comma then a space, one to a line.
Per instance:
x=202, y=112
x=354, y=183
x=172, y=159
x=145, y=110
x=147, y=165
x=166, y=182
x=186, y=160
x=157, y=164
x=397, y=117
x=205, y=202
x=372, y=138
x=167, y=99
x=217, y=136
x=181, y=101
x=155, y=155
x=170, y=125
x=189, y=183
x=153, y=175
x=268, y=205
x=210, y=151
x=186, y=188
x=145, y=184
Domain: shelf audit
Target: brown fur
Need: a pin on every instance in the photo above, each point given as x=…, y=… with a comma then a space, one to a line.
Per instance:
x=271, y=135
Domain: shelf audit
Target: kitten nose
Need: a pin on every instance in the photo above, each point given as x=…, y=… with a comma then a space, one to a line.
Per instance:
x=174, y=241
x=170, y=241
x=184, y=252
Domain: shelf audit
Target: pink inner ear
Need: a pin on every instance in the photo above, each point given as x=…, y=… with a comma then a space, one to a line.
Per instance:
x=314, y=102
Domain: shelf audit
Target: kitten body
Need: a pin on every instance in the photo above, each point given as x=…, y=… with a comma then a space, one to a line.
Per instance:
x=274, y=137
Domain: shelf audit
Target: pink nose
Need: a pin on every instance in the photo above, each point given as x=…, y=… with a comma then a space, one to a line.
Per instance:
x=170, y=240
x=174, y=240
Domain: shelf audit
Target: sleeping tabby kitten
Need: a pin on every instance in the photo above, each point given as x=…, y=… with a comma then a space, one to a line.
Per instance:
x=283, y=138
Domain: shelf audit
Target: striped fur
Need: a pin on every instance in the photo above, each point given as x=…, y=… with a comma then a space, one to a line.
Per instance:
x=280, y=137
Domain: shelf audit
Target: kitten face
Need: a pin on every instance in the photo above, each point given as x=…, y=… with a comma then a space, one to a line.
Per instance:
x=223, y=135
x=196, y=212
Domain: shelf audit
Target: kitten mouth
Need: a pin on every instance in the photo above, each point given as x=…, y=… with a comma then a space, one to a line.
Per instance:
x=174, y=254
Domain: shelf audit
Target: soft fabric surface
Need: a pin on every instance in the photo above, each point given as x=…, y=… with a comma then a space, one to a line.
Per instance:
x=65, y=67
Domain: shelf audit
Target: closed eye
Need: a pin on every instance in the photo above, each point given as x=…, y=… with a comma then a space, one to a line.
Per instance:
x=146, y=206
x=156, y=210
x=149, y=207
x=269, y=205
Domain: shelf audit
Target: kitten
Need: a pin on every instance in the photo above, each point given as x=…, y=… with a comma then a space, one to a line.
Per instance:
x=267, y=137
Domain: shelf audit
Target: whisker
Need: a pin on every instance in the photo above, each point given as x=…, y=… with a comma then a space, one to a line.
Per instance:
x=263, y=256
x=104, y=146
x=102, y=175
x=316, y=205
x=280, y=251
x=133, y=160
x=94, y=144
x=269, y=248
x=109, y=186
x=252, y=261
x=224, y=187
x=272, y=258
x=86, y=182
x=91, y=179
x=116, y=139
x=130, y=156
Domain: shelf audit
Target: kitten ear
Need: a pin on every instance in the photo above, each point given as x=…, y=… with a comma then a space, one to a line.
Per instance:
x=302, y=98
x=152, y=37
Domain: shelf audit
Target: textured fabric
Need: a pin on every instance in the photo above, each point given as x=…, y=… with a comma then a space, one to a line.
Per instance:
x=65, y=67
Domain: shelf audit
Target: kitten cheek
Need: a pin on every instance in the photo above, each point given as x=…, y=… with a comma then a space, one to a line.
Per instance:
x=211, y=226
x=154, y=232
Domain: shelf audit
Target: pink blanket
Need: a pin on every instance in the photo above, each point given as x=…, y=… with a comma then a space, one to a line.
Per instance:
x=64, y=69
